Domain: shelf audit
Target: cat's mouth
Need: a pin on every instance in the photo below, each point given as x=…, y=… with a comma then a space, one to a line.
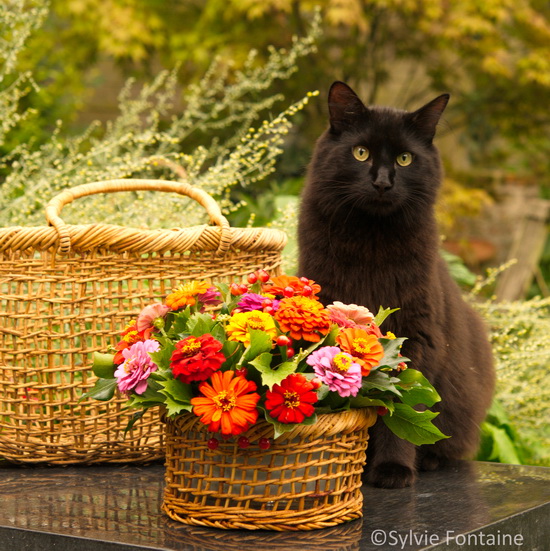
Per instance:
x=384, y=203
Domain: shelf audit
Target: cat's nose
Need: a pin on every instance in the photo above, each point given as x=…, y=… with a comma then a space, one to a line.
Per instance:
x=382, y=184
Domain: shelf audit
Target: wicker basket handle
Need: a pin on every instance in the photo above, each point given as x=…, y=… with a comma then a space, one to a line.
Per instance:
x=55, y=205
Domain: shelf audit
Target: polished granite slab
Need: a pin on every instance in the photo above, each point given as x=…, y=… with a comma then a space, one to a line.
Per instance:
x=471, y=506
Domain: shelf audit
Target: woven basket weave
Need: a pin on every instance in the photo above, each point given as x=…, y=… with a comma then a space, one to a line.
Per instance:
x=310, y=478
x=67, y=291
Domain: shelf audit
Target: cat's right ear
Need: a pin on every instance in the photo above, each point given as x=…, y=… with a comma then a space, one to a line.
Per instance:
x=344, y=107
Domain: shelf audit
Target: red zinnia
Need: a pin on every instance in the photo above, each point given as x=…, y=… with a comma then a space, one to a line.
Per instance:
x=196, y=358
x=291, y=401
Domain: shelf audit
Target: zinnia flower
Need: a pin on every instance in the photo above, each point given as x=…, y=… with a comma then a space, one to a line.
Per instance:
x=130, y=336
x=137, y=366
x=186, y=294
x=211, y=297
x=196, y=358
x=364, y=347
x=337, y=369
x=148, y=316
x=291, y=401
x=253, y=301
x=280, y=283
x=350, y=315
x=303, y=317
x=240, y=325
x=227, y=404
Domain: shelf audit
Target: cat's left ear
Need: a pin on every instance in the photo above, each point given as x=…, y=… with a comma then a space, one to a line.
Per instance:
x=425, y=119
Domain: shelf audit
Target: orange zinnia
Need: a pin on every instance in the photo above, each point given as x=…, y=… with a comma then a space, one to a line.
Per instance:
x=229, y=403
x=303, y=317
x=279, y=283
x=364, y=347
x=186, y=294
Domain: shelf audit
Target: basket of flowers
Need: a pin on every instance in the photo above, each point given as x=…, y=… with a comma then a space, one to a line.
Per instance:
x=267, y=396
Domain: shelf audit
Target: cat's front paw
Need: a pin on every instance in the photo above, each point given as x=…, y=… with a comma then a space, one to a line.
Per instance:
x=391, y=475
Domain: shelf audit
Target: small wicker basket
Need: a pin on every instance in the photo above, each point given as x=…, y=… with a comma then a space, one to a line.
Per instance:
x=66, y=291
x=310, y=478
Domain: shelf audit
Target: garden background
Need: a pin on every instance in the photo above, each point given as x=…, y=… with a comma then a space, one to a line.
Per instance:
x=231, y=96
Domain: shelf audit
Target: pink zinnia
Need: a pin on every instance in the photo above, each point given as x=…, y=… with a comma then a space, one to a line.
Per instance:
x=350, y=315
x=137, y=366
x=150, y=314
x=337, y=369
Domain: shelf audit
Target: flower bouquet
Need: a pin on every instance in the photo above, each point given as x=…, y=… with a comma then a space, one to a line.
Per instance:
x=251, y=376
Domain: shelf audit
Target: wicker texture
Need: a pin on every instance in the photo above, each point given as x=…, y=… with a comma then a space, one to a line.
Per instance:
x=67, y=291
x=344, y=537
x=310, y=478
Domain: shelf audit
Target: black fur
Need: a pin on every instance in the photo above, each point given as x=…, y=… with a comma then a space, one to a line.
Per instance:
x=368, y=235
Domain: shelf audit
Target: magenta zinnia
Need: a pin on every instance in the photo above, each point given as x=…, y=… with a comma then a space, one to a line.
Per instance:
x=337, y=369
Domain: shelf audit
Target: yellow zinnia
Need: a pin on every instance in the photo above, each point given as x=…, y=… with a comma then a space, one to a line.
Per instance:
x=240, y=325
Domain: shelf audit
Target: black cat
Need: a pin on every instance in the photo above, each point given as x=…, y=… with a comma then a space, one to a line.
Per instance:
x=367, y=234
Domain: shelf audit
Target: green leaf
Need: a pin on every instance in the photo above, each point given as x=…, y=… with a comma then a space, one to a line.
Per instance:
x=501, y=446
x=328, y=340
x=365, y=401
x=260, y=343
x=229, y=350
x=333, y=402
x=200, y=324
x=392, y=349
x=163, y=356
x=458, y=270
x=177, y=396
x=103, y=365
x=103, y=390
x=280, y=428
x=383, y=313
x=379, y=380
x=134, y=419
x=218, y=332
x=416, y=389
x=179, y=324
x=272, y=375
x=414, y=426
x=150, y=398
x=179, y=391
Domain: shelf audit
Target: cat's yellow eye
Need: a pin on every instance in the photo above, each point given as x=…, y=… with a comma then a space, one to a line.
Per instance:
x=404, y=159
x=361, y=153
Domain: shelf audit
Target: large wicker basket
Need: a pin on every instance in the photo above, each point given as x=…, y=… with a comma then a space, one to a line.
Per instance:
x=66, y=291
x=309, y=478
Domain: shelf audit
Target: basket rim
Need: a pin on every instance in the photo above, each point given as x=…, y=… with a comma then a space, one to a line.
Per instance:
x=328, y=424
x=89, y=237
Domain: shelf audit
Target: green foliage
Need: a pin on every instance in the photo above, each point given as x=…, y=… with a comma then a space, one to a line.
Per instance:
x=520, y=336
x=499, y=440
x=221, y=148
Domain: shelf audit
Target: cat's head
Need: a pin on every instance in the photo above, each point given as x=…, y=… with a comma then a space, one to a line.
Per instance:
x=377, y=160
